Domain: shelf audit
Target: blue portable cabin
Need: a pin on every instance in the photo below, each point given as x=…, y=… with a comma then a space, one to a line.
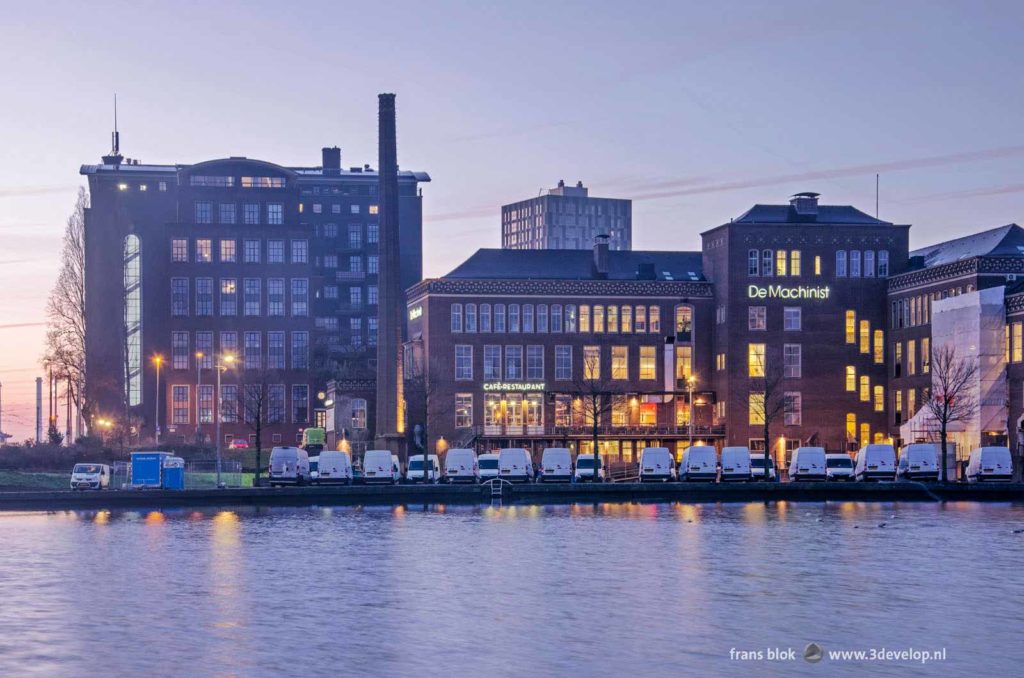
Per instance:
x=174, y=473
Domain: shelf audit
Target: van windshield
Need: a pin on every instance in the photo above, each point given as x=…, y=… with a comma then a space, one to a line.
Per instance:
x=758, y=462
x=416, y=465
x=840, y=462
x=586, y=464
x=314, y=465
x=488, y=463
x=86, y=468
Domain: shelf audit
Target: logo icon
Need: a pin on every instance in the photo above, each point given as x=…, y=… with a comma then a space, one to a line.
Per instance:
x=813, y=653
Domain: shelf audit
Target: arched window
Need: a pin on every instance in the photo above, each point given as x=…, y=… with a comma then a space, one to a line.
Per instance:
x=684, y=323
x=599, y=319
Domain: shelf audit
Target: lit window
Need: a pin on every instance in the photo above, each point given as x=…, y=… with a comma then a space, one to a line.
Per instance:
x=584, y=318
x=851, y=327
x=627, y=319
x=463, y=410
x=755, y=360
x=780, y=262
x=851, y=378
x=926, y=356
x=912, y=357
x=879, y=399
x=756, y=409
x=591, y=362
x=654, y=319
x=865, y=389
x=620, y=362
x=228, y=296
x=817, y=265
x=794, y=262
x=865, y=336
x=1017, y=354
x=684, y=362
x=599, y=319
x=641, y=319
x=374, y=209
x=613, y=319
x=204, y=250
x=648, y=362
x=879, y=347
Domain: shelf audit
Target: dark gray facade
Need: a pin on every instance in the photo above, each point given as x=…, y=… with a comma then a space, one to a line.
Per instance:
x=566, y=218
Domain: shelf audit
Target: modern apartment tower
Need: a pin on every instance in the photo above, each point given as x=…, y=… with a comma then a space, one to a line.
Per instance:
x=566, y=218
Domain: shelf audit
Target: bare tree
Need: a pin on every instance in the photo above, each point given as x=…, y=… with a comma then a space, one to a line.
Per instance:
x=65, y=311
x=423, y=407
x=595, y=393
x=765, y=400
x=257, y=407
x=950, y=398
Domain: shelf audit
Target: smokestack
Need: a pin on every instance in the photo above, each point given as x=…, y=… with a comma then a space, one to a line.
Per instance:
x=390, y=297
x=39, y=409
x=601, y=256
x=331, y=160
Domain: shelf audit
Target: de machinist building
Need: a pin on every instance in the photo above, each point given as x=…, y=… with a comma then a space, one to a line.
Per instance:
x=824, y=302
x=275, y=266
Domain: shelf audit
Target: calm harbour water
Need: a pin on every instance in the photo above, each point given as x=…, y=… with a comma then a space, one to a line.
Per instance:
x=608, y=590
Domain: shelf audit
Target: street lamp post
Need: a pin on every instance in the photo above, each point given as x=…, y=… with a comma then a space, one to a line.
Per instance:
x=157, y=360
x=225, y=361
x=690, y=380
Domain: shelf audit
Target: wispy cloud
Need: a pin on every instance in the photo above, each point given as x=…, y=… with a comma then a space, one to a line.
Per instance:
x=474, y=213
x=15, y=261
x=511, y=131
x=12, y=326
x=968, y=193
x=27, y=191
x=652, y=192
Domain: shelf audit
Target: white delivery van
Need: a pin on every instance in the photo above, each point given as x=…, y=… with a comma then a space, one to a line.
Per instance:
x=335, y=467
x=556, y=465
x=838, y=467
x=415, y=474
x=585, y=469
x=90, y=477
x=488, y=464
x=380, y=466
x=657, y=464
x=757, y=467
x=460, y=466
x=876, y=461
x=289, y=466
x=989, y=463
x=735, y=463
x=808, y=463
x=919, y=461
x=515, y=465
x=700, y=462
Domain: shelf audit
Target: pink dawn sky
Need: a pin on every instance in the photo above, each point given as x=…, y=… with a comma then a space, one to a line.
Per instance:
x=695, y=110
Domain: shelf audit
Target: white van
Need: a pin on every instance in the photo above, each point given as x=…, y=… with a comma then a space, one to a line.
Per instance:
x=515, y=465
x=585, y=469
x=757, y=467
x=380, y=466
x=808, y=463
x=876, y=461
x=460, y=466
x=838, y=467
x=556, y=465
x=656, y=464
x=488, y=464
x=989, y=463
x=919, y=461
x=289, y=466
x=90, y=477
x=334, y=467
x=700, y=462
x=735, y=463
x=414, y=473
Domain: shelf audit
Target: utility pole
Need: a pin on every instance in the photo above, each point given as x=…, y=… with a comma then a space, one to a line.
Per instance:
x=199, y=387
x=39, y=410
x=157, y=360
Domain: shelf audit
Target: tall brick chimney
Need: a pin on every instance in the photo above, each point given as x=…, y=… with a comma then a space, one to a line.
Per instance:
x=390, y=296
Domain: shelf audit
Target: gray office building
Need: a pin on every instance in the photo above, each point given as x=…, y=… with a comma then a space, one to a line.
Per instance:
x=566, y=218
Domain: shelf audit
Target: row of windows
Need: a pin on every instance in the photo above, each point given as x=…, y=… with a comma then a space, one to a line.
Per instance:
x=855, y=265
x=757, y=318
x=917, y=310
x=861, y=335
x=619, y=365
x=252, y=298
x=238, y=402
x=518, y=412
x=777, y=263
x=252, y=357
x=559, y=318
x=318, y=208
x=227, y=251
x=916, y=362
x=862, y=386
x=355, y=233
x=758, y=408
x=757, y=365
x=227, y=213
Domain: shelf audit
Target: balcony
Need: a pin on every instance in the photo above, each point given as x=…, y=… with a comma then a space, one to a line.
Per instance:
x=585, y=432
x=351, y=307
x=350, y=275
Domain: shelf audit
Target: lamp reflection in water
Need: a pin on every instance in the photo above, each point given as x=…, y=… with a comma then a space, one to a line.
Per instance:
x=226, y=572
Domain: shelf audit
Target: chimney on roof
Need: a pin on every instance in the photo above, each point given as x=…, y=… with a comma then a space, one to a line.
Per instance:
x=805, y=205
x=561, y=183
x=601, y=256
x=645, y=271
x=331, y=160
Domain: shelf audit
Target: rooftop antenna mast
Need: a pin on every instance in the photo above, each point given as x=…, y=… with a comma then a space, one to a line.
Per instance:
x=114, y=157
x=876, y=196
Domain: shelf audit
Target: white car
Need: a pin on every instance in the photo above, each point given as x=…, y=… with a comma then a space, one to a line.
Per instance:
x=700, y=462
x=919, y=461
x=585, y=469
x=757, y=467
x=414, y=473
x=289, y=466
x=735, y=464
x=838, y=467
x=488, y=464
x=460, y=466
x=656, y=464
x=556, y=465
x=380, y=466
x=990, y=463
x=876, y=461
x=808, y=463
x=90, y=477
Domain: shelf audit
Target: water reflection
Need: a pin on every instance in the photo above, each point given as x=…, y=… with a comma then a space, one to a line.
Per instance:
x=654, y=589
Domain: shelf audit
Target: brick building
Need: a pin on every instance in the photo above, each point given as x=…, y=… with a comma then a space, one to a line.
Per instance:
x=566, y=217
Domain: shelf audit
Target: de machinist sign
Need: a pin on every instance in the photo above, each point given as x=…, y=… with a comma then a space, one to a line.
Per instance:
x=780, y=292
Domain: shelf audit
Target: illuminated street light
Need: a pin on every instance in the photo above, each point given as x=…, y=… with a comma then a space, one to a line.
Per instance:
x=158, y=361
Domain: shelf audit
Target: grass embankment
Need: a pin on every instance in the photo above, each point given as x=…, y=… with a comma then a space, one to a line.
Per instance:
x=28, y=480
